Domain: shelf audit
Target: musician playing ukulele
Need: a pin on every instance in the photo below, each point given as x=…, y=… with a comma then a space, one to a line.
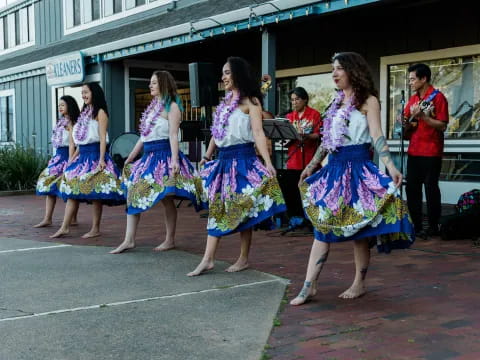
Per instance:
x=426, y=118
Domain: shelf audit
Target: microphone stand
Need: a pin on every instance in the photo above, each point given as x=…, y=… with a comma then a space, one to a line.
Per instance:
x=402, y=142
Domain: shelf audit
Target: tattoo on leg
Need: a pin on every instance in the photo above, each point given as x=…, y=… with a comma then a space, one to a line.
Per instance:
x=304, y=291
x=363, y=272
x=321, y=262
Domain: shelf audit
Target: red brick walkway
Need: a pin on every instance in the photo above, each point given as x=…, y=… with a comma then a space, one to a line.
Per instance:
x=423, y=303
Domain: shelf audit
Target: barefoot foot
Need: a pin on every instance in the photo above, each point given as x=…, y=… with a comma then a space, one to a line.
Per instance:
x=43, y=223
x=353, y=292
x=91, y=234
x=238, y=266
x=201, y=268
x=307, y=292
x=165, y=246
x=61, y=232
x=123, y=247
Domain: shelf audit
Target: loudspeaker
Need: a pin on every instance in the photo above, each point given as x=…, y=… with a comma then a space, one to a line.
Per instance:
x=203, y=84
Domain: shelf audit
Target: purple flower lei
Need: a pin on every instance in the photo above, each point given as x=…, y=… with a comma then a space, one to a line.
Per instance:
x=57, y=135
x=145, y=125
x=81, y=127
x=222, y=113
x=336, y=131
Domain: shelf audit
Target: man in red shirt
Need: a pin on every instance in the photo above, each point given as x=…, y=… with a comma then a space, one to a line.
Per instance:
x=307, y=122
x=427, y=111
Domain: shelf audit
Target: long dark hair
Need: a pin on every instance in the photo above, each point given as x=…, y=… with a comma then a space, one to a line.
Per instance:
x=167, y=88
x=98, y=99
x=359, y=75
x=72, y=108
x=244, y=80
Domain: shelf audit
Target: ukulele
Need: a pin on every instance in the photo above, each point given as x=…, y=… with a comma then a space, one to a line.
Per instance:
x=426, y=107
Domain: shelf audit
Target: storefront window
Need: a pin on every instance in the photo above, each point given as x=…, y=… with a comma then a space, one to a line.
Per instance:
x=320, y=89
x=458, y=78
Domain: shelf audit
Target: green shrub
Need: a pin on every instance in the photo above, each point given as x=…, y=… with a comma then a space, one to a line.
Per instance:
x=20, y=167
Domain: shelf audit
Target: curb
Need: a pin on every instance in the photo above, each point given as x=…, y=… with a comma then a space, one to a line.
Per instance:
x=16, y=192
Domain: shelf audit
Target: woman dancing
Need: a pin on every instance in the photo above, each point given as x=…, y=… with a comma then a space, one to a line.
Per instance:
x=63, y=151
x=239, y=190
x=92, y=177
x=350, y=198
x=163, y=172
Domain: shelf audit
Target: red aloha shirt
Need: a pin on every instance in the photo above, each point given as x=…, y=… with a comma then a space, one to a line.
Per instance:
x=310, y=122
x=425, y=140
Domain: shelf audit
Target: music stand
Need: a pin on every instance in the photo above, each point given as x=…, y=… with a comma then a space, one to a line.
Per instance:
x=280, y=129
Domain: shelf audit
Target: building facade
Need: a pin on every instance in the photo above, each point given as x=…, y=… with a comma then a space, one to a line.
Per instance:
x=49, y=47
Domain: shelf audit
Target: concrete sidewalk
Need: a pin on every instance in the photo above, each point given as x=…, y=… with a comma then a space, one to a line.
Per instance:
x=422, y=303
x=77, y=302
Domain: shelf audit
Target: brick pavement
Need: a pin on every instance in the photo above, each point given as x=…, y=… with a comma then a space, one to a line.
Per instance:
x=420, y=304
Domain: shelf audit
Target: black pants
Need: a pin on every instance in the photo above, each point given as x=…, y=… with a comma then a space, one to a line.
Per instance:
x=424, y=170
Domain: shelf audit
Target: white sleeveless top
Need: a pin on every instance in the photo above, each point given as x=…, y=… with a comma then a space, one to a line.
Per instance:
x=92, y=134
x=160, y=130
x=239, y=130
x=65, y=138
x=357, y=128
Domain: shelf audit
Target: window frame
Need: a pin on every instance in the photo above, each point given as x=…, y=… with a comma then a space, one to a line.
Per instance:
x=7, y=93
x=150, y=4
x=28, y=12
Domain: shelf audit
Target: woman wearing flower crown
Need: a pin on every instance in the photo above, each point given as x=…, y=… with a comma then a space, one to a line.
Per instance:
x=350, y=198
x=92, y=177
x=239, y=190
x=163, y=172
x=48, y=180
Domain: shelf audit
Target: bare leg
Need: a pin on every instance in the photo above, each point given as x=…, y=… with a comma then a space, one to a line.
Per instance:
x=67, y=218
x=170, y=225
x=242, y=261
x=97, y=217
x=74, y=218
x=130, y=234
x=49, y=207
x=208, y=257
x=361, y=252
x=318, y=257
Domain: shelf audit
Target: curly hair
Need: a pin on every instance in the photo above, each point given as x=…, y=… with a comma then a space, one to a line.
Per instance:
x=359, y=76
x=244, y=80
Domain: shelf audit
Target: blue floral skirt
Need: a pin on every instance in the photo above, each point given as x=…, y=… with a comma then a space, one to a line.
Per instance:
x=351, y=198
x=81, y=181
x=149, y=179
x=50, y=177
x=239, y=191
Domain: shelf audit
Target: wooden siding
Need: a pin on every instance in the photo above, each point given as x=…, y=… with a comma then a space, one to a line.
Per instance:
x=33, y=111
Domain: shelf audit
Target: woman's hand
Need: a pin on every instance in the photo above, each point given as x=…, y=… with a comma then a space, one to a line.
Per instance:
x=175, y=167
x=101, y=165
x=396, y=176
x=271, y=170
x=308, y=171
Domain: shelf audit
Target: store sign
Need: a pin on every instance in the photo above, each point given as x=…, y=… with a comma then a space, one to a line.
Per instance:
x=66, y=69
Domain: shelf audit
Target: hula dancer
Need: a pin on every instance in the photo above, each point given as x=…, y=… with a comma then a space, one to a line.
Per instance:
x=92, y=177
x=163, y=172
x=48, y=181
x=240, y=191
x=350, y=198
